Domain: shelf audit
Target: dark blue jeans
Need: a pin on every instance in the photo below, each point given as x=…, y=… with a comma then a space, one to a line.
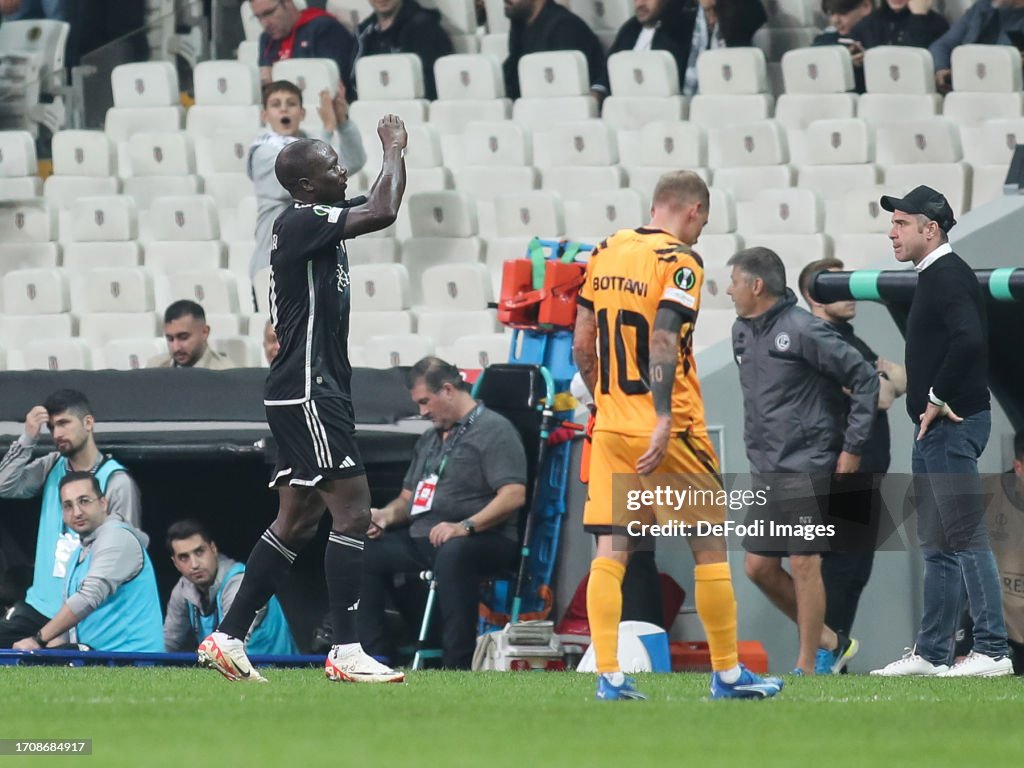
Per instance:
x=958, y=560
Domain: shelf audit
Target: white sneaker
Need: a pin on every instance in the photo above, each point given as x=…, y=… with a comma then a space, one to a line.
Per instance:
x=910, y=664
x=980, y=665
x=351, y=665
x=226, y=654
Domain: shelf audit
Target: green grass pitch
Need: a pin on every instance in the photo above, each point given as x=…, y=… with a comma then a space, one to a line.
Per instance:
x=189, y=717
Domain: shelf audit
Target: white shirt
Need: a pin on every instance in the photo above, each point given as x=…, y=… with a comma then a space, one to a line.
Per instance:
x=645, y=39
x=932, y=257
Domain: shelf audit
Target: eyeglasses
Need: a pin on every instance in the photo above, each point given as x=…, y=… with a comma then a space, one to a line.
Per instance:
x=82, y=502
x=268, y=13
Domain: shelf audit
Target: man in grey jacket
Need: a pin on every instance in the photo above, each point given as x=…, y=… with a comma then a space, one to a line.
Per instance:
x=68, y=415
x=283, y=114
x=809, y=402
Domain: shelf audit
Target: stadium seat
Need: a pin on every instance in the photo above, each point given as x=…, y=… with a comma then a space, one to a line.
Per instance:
x=144, y=190
x=442, y=214
x=986, y=84
x=102, y=233
x=444, y=328
x=644, y=89
x=27, y=221
x=99, y=328
x=223, y=324
x=478, y=350
x=146, y=84
x=421, y=253
x=472, y=77
x=718, y=249
x=424, y=150
x=992, y=142
x=372, y=250
x=584, y=158
x=553, y=83
x=713, y=294
x=226, y=83
x=27, y=256
x=789, y=222
x=393, y=350
x=954, y=179
x=21, y=187
x=241, y=350
x=456, y=287
x=496, y=144
x=18, y=156
x=35, y=292
x=225, y=152
x=838, y=157
x=497, y=22
x=311, y=76
x=526, y=214
x=713, y=326
x=750, y=157
x=227, y=189
x=14, y=329
x=722, y=217
x=32, y=63
x=363, y=325
x=120, y=290
x=733, y=87
x=57, y=355
x=599, y=214
x=775, y=42
x=664, y=146
x=160, y=154
x=130, y=354
x=899, y=69
x=379, y=288
x=121, y=123
x=390, y=77
x=934, y=140
x=83, y=153
x=209, y=121
x=248, y=52
x=215, y=289
x=817, y=82
x=185, y=234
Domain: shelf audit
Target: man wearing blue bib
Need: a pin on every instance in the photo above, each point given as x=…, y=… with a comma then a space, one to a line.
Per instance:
x=68, y=415
x=111, y=601
x=204, y=593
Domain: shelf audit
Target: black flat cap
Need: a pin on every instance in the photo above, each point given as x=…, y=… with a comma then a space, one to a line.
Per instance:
x=926, y=201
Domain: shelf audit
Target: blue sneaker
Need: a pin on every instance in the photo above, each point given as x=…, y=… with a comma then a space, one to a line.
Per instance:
x=749, y=686
x=608, y=691
x=797, y=672
x=823, y=662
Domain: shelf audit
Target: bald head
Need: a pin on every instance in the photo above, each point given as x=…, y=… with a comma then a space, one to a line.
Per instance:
x=309, y=170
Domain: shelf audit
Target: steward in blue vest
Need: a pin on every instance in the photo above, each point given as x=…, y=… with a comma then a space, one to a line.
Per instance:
x=204, y=594
x=111, y=600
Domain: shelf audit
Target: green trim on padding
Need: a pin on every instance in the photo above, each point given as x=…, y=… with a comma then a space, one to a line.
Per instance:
x=999, y=284
x=864, y=285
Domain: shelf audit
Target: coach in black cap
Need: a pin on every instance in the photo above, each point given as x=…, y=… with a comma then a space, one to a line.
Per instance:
x=948, y=400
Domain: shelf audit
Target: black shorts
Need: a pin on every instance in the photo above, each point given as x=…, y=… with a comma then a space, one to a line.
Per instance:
x=315, y=442
x=793, y=520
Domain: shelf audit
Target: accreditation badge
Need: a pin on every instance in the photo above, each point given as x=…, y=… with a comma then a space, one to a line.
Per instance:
x=423, y=498
x=66, y=544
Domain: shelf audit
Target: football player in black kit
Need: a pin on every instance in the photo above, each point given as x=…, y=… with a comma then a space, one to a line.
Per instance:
x=309, y=402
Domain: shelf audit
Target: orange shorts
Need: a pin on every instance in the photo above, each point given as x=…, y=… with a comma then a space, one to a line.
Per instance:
x=686, y=488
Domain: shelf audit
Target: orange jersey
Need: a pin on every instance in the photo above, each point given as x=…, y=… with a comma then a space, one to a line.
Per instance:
x=629, y=276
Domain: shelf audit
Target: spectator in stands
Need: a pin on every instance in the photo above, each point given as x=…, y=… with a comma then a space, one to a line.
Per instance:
x=271, y=345
x=283, y=114
x=719, y=24
x=456, y=514
x=16, y=10
x=204, y=594
x=1005, y=521
x=800, y=428
x=187, y=334
x=313, y=33
x=856, y=503
x=843, y=16
x=901, y=22
x=544, y=25
x=111, y=601
x=949, y=403
x=988, y=22
x=70, y=419
x=405, y=26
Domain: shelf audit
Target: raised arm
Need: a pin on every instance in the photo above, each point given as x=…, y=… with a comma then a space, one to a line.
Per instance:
x=381, y=207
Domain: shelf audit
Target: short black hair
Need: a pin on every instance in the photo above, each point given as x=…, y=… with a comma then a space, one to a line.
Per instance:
x=435, y=373
x=74, y=477
x=828, y=7
x=68, y=401
x=186, y=529
x=287, y=86
x=808, y=273
x=1018, y=445
x=763, y=263
x=182, y=308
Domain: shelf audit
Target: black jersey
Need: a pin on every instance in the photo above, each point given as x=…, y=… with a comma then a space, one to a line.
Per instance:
x=309, y=305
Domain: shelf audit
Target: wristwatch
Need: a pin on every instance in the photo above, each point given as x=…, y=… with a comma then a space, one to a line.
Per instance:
x=470, y=526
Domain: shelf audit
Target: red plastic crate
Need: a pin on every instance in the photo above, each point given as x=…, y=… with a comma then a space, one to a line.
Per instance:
x=696, y=656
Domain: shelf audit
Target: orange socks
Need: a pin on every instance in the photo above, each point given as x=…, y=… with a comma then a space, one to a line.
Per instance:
x=604, y=611
x=716, y=606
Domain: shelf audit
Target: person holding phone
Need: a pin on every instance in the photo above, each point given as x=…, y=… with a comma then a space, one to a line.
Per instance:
x=843, y=16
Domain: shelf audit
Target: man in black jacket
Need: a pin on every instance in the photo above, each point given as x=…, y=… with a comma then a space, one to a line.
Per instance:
x=405, y=26
x=669, y=25
x=799, y=428
x=544, y=25
x=948, y=400
x=901, y=22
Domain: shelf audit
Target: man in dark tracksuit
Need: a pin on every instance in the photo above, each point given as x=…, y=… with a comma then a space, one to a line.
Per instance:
x=799, y=428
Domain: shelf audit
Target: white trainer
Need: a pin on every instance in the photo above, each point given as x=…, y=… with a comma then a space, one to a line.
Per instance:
x=911, y=664
x=350, y=664
x=980, y=665
x=226, y=654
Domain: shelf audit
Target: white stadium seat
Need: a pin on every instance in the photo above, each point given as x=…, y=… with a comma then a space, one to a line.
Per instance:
x=57, y=355
x=379, y=288
x=124, y=290
x=131, y=354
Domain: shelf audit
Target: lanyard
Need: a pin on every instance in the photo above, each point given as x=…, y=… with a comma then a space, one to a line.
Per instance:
x=449, y=444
